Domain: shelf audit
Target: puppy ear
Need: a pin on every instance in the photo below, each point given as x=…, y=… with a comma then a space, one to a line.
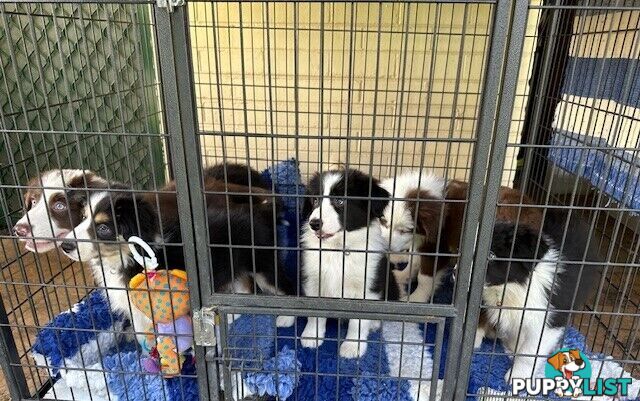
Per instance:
x=135, y=216
x=556, y=361
x=380, y=199
x=430, y=211
x=313, y=188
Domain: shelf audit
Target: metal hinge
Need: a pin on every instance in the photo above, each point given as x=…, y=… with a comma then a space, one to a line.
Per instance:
x=170, y=4
x=204, y=326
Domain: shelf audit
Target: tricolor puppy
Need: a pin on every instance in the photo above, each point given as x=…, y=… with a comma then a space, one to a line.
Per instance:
x=101, y=240
x=530, y=282
x=344, y=252
x=234, y=227
x=54, y=205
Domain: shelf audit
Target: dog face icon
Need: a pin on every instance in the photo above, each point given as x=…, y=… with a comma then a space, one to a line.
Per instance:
x=567, y=362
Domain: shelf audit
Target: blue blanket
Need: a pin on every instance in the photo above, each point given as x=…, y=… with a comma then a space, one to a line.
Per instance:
x=613, y=171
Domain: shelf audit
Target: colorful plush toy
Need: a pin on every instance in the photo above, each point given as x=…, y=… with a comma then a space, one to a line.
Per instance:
x=162, y=296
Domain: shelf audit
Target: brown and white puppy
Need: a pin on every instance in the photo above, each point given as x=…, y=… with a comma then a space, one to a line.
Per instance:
x=54, y=204
x=427, y=216
x=411, y=222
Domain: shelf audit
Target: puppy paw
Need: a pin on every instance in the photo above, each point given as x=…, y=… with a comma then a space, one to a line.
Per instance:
x=310, y=342
x=418, y=297
x=518, y=372
x=285, y=321
x=352, y=349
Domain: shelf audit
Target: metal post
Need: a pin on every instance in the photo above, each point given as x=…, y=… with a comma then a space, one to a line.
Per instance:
x=549, y=65
x=10, y=361
x=488, y=109
x=516, y=13
x=180, y=113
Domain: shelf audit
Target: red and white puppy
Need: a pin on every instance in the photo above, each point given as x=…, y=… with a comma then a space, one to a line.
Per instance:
x=427, y=215
x=54, y=204
x=411, y=223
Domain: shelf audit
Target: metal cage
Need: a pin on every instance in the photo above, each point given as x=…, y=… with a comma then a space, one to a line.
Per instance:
x=541, y=96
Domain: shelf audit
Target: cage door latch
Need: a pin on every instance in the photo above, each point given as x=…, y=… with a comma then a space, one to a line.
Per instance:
x=204, y=327
x=170, y=4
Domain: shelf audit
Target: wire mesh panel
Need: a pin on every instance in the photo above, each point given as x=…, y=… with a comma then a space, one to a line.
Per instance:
x=420, y=200
x=571, y=152
x=79, y=91
x=365, y=93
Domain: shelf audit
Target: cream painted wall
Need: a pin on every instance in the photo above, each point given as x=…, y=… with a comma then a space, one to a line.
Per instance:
x=408, y=75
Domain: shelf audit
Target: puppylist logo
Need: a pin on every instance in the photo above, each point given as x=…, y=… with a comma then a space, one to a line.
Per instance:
x=568, y=374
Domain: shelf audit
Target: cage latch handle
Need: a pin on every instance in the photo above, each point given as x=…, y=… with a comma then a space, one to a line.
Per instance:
x=204, y=326
x=170, y=5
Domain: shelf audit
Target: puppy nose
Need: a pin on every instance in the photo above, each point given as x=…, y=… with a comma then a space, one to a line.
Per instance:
x=68, y=246
x=22, y=230
x=315, y=224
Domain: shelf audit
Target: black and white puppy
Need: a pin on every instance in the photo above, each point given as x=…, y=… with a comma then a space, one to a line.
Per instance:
x=527, y=290
x=54, y=204
x=344, y=252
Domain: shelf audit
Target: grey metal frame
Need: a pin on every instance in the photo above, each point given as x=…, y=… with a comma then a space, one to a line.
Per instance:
x=459, y=355
x=490, y=140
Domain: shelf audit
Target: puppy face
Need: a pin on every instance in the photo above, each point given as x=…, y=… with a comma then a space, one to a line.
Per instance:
x=567, y=361
x=112, y=219
x=340, y=202
x=54, y=205
x=416, y=209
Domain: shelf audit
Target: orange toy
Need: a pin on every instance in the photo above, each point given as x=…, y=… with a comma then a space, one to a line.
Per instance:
x=163, y=297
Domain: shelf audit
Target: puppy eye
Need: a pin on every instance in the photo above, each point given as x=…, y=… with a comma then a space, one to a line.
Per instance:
x=406, y=231
x=103, y=229
x=384, y=222
x=339, y=201
x=316, y=201
x=59, y=206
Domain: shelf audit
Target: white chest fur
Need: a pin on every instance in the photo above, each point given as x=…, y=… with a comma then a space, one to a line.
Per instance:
x=345, y=266
x=107, y=272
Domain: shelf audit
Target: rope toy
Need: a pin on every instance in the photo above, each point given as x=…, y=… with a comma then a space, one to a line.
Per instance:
x=162, y=296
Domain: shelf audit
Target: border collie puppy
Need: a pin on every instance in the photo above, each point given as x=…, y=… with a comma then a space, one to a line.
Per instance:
x=236, y=174
x=54, y=204
x=412, y=222
x=439, y=211
x=543, y=281
x=342, y=225
x=101, y=240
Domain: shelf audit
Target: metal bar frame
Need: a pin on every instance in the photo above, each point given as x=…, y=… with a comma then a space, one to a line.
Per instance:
x=518, y=13
x=507, y=35
x=179, y=101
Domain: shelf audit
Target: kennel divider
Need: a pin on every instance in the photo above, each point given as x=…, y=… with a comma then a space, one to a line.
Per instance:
x=499, y=127
x=494, y=76
x=179, y=100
